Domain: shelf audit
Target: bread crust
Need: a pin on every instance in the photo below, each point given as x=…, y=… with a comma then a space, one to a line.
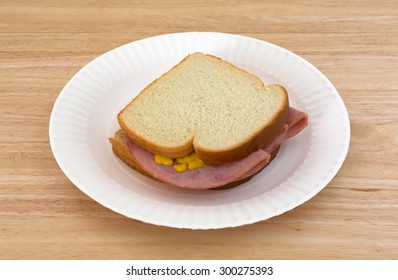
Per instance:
x=120, y=148
x=258, y=139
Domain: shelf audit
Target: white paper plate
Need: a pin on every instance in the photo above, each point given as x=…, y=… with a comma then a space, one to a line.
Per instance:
x=84, y=116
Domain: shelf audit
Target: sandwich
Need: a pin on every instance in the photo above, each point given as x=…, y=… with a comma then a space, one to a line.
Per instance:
x=205, y=124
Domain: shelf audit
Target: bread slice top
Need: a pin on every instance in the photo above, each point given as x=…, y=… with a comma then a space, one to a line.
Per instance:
x=206, y=105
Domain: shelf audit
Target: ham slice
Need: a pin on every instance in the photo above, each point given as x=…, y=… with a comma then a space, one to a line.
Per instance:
x=209, y=176
x=213, y=176
x=269, y=148
x=296, y=121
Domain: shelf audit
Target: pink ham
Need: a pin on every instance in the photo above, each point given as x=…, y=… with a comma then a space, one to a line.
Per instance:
x=212, y=176
x=269, y=148
x=209, y=176
x=296, y=121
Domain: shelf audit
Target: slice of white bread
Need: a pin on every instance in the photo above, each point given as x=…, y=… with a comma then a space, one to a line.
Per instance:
x=120, y=148
x=206, y=105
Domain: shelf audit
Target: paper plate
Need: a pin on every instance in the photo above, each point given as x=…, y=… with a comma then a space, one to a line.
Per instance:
x=84, y=116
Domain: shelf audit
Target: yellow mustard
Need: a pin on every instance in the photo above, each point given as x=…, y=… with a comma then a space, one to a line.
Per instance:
x=181, y=167
x=192, y=160
x=188, y=162
x=163, y=160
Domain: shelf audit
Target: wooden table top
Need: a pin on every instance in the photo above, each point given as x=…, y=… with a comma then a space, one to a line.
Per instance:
x=44, y=216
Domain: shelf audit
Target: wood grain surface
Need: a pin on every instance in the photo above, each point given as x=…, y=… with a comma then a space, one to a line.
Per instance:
x=44, y=43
